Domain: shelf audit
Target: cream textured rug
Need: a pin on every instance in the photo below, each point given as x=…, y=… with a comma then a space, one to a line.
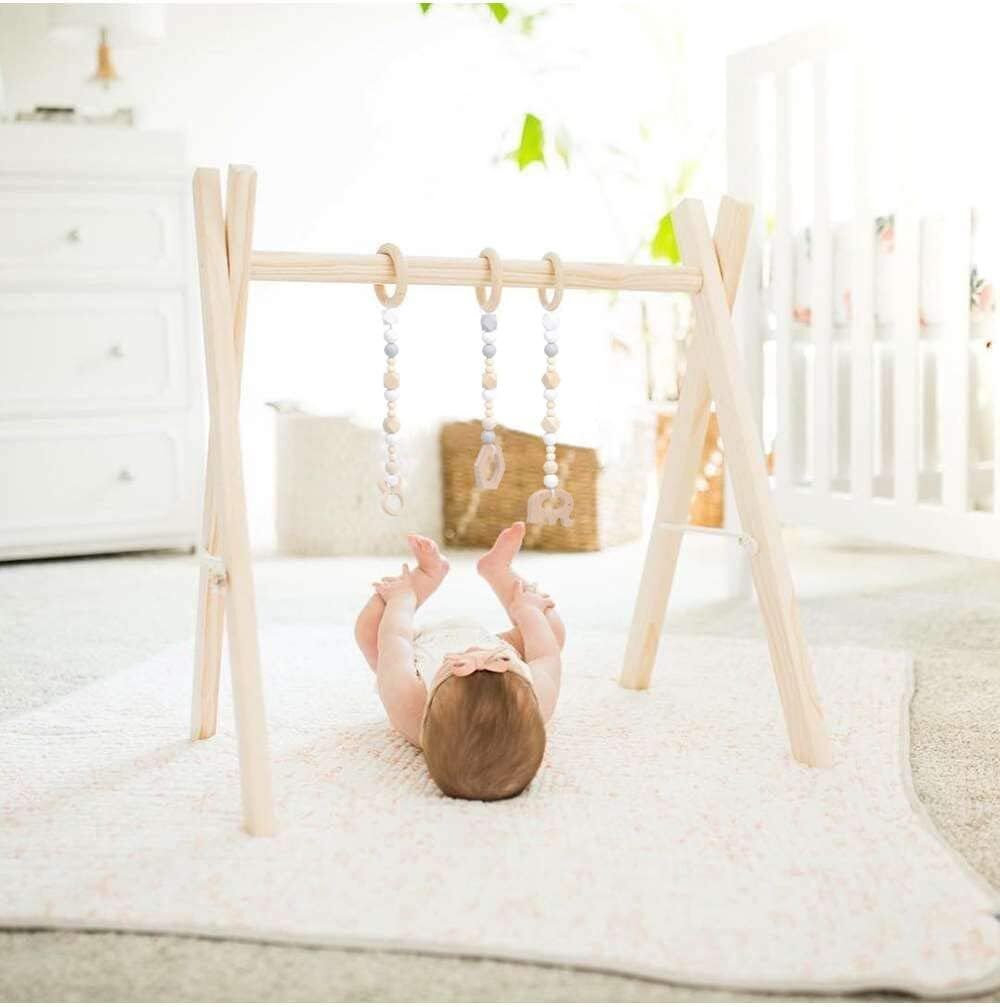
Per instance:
x=669, y=835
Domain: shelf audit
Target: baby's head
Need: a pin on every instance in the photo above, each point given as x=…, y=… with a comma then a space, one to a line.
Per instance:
x=483, y=736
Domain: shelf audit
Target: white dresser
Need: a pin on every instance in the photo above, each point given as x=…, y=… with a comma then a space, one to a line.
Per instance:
x=101, y=406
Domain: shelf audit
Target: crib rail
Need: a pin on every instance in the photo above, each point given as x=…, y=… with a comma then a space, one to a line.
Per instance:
x=867, y=350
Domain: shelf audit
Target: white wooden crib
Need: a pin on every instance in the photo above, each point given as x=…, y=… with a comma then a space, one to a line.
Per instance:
x=865, y=324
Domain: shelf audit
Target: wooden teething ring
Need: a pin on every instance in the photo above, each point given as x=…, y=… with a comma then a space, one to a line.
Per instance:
x=491, y=303
x=399, y=268
x=553, y=302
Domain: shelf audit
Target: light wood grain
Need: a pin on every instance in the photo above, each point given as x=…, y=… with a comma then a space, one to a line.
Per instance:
x=240, y=200
x=680, y=468
x=748, y=471
x=221, y=363
x=537, y=273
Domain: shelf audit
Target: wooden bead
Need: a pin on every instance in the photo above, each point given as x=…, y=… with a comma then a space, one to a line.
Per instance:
x=489, y=381
x=393, y=468
x=391, y=380
x=550, y=379
x=550, y=468
x=391, y=425
x=550, y=424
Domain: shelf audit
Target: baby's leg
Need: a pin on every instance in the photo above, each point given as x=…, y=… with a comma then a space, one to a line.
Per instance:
x=495, y=569
x=431, y=570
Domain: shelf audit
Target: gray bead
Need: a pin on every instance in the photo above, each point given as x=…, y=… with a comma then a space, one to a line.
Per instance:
x=489, y=350
x=551, y=349
x=391, y=349
x=488, y=322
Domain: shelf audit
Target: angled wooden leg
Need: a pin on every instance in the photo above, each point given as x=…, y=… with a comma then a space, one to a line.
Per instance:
x=680, y=469
x=230, y=497
x=748, y=471
x=240, y=200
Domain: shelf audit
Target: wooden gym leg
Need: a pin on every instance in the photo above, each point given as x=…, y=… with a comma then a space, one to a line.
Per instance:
x=240, y=199
x=748, y=470
x=681, y=468
x=230, y=498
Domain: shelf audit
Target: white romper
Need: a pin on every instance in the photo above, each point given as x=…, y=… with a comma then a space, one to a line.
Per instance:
x=433, y=643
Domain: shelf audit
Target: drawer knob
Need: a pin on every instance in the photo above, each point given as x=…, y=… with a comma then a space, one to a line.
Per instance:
x=73, y=235
x=125, y=475
x=117, y=350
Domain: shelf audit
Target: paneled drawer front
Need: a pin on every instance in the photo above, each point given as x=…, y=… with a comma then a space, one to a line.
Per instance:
x=62, y=480
x=67, y=352
x=90, y=231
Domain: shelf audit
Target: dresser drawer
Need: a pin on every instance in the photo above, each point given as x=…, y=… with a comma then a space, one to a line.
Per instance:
x=90, y=231
x=67, y=479
x=73, y=352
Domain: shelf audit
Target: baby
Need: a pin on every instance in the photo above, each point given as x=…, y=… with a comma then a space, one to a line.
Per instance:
x=475, y=702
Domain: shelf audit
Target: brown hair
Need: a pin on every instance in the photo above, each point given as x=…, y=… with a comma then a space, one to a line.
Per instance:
x=483, y=736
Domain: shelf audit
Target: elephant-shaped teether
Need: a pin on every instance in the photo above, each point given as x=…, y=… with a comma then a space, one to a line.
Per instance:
x=547, y=506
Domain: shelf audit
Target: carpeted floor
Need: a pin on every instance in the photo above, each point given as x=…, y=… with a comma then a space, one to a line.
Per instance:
x=66, y=623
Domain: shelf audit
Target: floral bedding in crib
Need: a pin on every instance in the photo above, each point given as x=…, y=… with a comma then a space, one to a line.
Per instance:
x=984, y=270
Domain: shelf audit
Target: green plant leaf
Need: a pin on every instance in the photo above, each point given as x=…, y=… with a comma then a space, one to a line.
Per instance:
x=664, y=243
x=499, y=11
x=532, y=145
x=424, y=7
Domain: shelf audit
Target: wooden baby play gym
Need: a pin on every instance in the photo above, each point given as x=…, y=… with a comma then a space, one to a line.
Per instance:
x=710, y=274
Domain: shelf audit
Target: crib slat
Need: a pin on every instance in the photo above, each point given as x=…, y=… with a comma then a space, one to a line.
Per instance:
x=782, y=283
x=955, y=363
x=822, y=282
x=862, y=293
x=906, y=334
x=995, y=402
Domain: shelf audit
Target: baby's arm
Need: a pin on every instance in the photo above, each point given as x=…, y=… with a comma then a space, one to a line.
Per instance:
x=541, y=648
x=402, y=693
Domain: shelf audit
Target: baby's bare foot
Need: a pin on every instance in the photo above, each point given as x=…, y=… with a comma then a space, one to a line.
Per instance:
x=506, y=547
x=432, y=567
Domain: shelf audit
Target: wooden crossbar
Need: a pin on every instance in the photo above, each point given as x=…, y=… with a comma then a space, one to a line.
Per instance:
x=710, y=275
x=304, y=267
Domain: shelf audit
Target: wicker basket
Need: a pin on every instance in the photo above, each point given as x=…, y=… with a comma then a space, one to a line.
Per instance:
x=707, y=502
x=608, y=496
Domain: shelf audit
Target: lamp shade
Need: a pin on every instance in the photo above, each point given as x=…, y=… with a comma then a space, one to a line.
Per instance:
x=126, y=24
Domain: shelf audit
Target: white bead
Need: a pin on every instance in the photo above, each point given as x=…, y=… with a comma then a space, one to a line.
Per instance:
x=390, y=335
x=391, y=480
x=489, y=337
x=391, y=439
x=550, y=322
x=391, y=394
x=489, y=423
x=550, y=468
x=550, y=394
x=551, y=482
x=549, y=438
x=489, y=394
x=552, y=337
x=390, y=316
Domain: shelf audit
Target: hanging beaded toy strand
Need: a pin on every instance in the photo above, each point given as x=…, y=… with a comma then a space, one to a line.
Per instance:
x=551, y=504
x=391, y=484
x=489, y=466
